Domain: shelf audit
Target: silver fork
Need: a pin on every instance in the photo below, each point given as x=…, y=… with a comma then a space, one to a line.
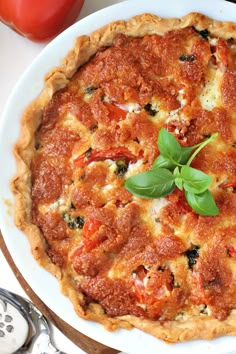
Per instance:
x=39, y=339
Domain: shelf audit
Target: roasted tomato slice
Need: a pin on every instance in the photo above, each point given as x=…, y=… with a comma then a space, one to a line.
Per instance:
x=115, y=154
x=91, y=238
x=228, y=184
x=152, y=285
x=232, y=252
x=115, y=113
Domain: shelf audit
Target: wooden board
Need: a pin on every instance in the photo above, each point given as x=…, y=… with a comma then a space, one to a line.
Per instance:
x=85, y=343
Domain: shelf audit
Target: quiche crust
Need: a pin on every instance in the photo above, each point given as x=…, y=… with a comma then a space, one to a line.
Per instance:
x=186, y=326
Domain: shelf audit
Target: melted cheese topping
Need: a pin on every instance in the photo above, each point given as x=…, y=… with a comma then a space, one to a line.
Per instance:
x=158, y=258
x=210, y=96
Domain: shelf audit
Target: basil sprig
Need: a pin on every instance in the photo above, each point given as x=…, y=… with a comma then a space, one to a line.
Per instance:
x=172, y=169
x=151, y=184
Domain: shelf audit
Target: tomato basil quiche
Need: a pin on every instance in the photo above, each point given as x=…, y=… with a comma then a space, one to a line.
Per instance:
x=126, y=261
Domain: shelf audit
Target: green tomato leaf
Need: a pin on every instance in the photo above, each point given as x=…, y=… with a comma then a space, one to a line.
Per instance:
x=155, y=183
x=169, y=146
x=194, y=181
x=162, y=162
x=204, y=203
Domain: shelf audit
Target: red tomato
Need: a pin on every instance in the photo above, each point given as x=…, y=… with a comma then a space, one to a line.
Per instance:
x=91, y=226
x=228, y=184
x=152, y=285
x=90, y=238
x=232, y=252
x=139, y=277
x=115, y=112
x=39, y=20
x=115, y=153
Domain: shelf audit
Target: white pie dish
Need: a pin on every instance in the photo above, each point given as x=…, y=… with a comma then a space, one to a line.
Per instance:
x=28, y=87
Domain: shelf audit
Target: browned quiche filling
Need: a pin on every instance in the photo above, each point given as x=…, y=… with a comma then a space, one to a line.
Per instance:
x=155, y=259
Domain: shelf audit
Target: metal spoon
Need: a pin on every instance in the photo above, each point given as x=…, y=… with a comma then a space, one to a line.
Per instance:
x=38, y=340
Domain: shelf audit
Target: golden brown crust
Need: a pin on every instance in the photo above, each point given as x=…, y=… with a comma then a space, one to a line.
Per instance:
x=188, y=329
x=184, y=328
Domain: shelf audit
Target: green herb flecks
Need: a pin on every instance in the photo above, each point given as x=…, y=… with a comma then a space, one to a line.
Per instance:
x=73, y=222
x=151, y=111
x=172, y=169
x=121, y=167
x=203, y=33
x=190, y=58
x=192, y=254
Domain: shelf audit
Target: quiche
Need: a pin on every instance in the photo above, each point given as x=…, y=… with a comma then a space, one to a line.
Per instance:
x=126, y=261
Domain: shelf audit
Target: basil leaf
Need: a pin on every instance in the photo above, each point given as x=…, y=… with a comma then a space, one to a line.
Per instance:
x=163, y=162
x=159, y=181
x=178, y=179
x=194, y=181
x=155, y=183
x=169, y=146
x=185, y=154
x=179, y=183
x=204, y=203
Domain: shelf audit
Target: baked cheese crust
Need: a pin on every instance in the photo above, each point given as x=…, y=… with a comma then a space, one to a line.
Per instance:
x=126, y=261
